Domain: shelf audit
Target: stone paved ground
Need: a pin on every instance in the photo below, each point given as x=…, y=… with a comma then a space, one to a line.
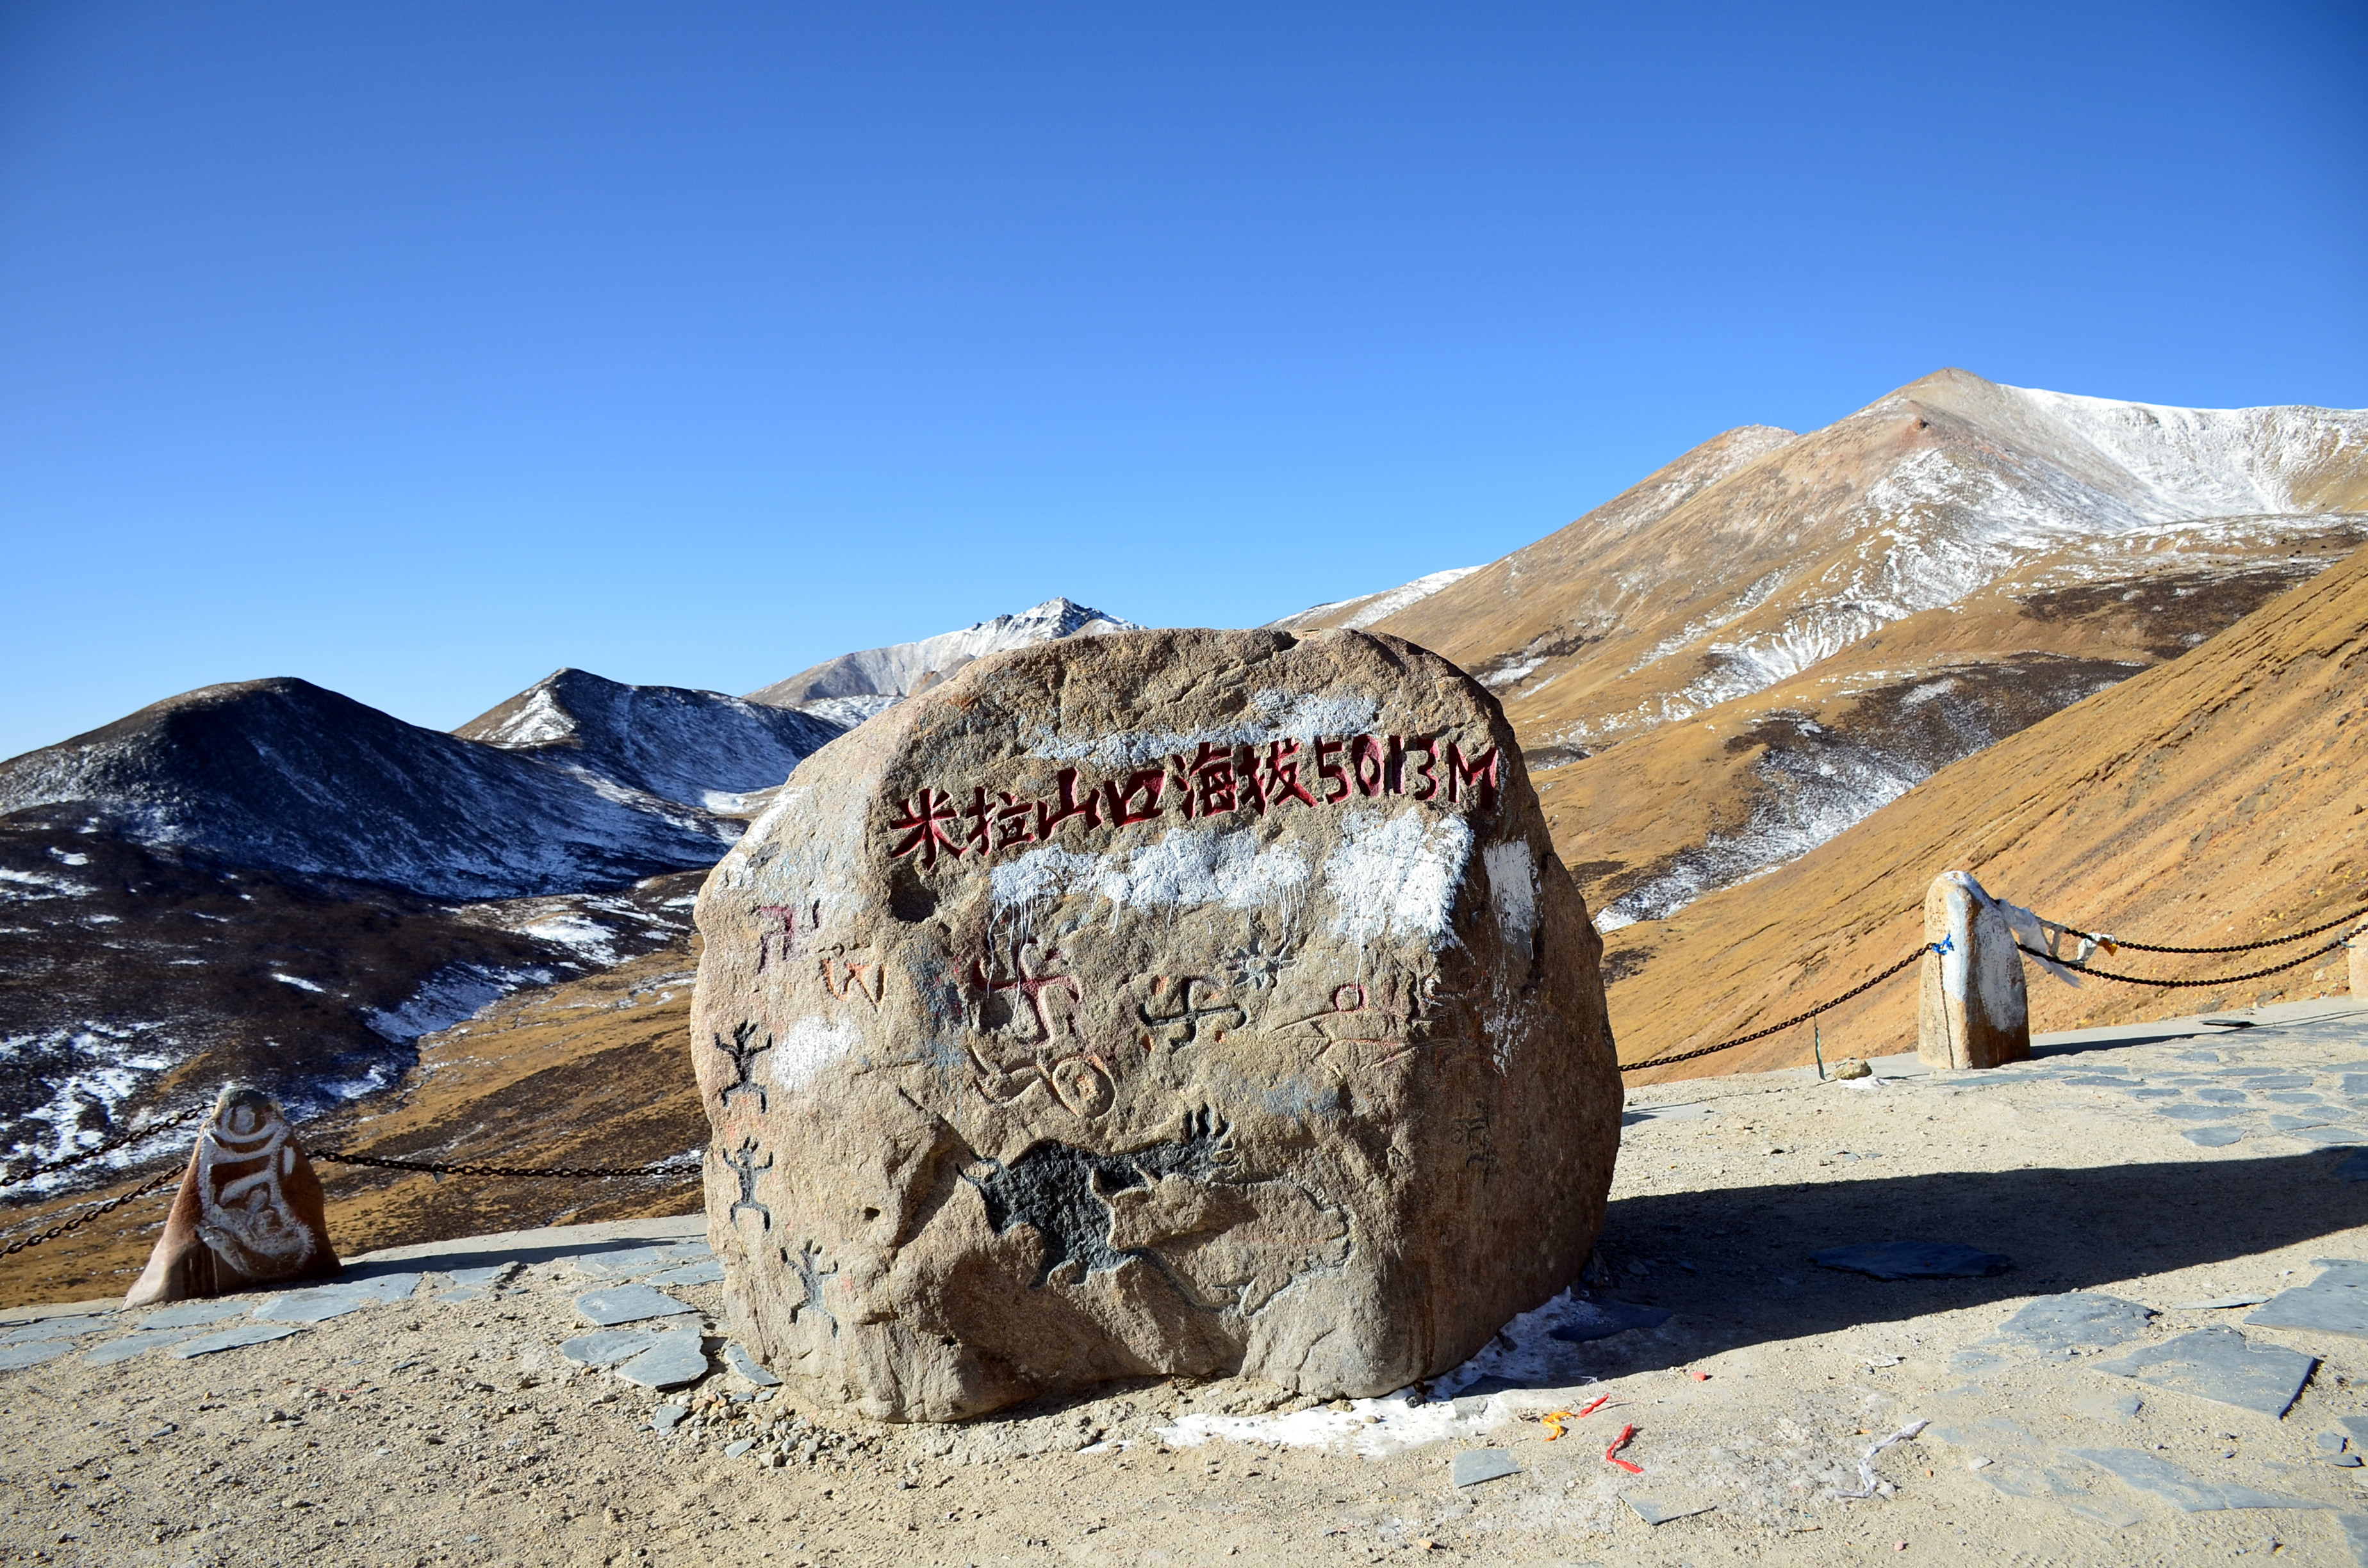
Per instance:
x=425, y=1411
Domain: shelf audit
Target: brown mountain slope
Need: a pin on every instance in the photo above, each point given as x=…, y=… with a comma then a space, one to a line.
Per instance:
x=1911, y=582
x=2217, y=798
x=1490, y=613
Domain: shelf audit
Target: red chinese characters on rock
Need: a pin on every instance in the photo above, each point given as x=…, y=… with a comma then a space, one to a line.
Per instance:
x=1213, y=781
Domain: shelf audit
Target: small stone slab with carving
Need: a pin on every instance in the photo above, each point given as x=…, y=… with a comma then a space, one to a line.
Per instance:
x=58, y=1328
x=32, y=1353
x=1660, y=1511
x=2145, y=1472
x=140, y=1344
x=1914, y=1260
x=736, y=1357
x=608, y=1346
x=196, y=1314
x=2076, y=1317
x=325, y=1301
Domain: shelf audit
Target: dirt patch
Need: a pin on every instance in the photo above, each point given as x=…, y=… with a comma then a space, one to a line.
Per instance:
x=2173, y=611
x=446, y=1426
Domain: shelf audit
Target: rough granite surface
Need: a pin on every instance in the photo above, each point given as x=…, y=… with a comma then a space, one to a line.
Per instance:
x=1163, y=1003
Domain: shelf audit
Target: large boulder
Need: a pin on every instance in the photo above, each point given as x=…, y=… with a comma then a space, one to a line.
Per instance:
x=1204, y=1002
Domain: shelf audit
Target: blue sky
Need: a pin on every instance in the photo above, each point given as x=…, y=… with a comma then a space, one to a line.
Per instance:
x=420, y=350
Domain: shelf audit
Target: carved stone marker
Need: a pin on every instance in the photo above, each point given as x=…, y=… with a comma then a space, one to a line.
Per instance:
x=1972, y=1012
x=1169, y=1001
x=248, y=1213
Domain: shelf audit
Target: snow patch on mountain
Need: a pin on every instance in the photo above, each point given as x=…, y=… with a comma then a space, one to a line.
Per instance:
x=1375, y=606
x=903, y=669
x=1817, y=780
x=89, y=1068
x=16, y=884
x=655, y=747
x=450, y=996
x=850, y=711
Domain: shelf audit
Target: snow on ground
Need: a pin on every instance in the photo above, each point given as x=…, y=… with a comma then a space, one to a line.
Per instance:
x=1523, y=1351
x=596, y=942
x=89, y=1069
x=20, y=886
x=453, y=992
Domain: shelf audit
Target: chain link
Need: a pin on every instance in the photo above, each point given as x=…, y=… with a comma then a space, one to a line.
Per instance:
x=1779, y=1028
x=87, y=1156
x=2240, y=947
x=79, y=1220
x=2149, y=980
x=2040, y=953
x=662, y=1171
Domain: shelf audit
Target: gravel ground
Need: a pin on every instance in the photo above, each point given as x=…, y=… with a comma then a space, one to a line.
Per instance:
x=446, y=1426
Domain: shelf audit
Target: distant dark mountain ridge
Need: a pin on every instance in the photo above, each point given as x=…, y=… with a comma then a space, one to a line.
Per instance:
x=271, y=882
x=699, y=749
x=287, y=777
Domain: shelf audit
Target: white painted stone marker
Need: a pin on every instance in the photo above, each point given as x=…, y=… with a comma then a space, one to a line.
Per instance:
x=1973, y=1011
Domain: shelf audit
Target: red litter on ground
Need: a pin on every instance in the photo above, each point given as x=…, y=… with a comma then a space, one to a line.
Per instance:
x=1594, y=1405
x=1610, y=1455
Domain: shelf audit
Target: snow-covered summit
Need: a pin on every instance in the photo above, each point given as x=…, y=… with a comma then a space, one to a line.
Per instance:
x=904, y=669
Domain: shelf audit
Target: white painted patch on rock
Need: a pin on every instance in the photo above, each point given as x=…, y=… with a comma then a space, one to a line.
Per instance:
x=1275, y=716
x=1186, y=869
x=1513, y=890
x=1190, y=866
x=1395, y=877
x=807, y=1047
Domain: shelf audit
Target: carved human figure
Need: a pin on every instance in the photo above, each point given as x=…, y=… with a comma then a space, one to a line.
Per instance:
x=743, y=1052
x=249, y=1212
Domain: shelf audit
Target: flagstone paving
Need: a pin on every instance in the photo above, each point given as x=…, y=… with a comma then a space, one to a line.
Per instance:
x=2169, y=1369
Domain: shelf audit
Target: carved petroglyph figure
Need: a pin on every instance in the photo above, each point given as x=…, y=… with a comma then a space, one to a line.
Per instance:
x=1027, y=1033
x=744, y=1165
x=743, y=1052
x=844, y=978
x=1180, y=1024
x=777, y=931
x=1185, y=960
x=1042, y=1022
x=811, y=1276
x=248, y=1213
x=1476, y=1134
x=1256, y=968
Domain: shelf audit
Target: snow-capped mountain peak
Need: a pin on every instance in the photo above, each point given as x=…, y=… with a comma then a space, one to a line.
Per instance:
x=884, y=675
